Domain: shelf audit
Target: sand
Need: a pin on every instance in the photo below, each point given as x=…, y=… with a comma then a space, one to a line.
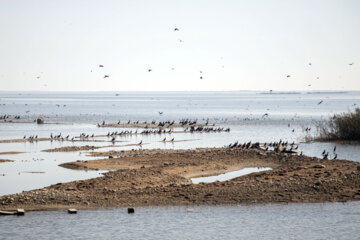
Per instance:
x=5, y=160
x=162, y=177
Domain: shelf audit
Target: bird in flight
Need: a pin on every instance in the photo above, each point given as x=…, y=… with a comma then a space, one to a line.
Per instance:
x=149, y=70
x=310, y=64
x=176, y=29
x=101, y=65
x=288, y=76
x=320, y=102
x=351, y=64
x=201, y=77
x=106, y=76
x=161, y=113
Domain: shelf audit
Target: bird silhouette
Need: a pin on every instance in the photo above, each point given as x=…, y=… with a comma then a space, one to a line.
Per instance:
x=320, y=102
x=106, y=76
x=101, y=65
x=149, y=70
x=288, y=76
x=176, y=29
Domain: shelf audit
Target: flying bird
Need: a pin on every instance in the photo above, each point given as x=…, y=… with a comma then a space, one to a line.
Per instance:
x=320, y=102
x=106, y=76
x=201, y=77
x=310, y=64
x=351, y=64
x=101, y=65
x=288, y=76
x=161, y=113
x=149, y=70
x=176, y=29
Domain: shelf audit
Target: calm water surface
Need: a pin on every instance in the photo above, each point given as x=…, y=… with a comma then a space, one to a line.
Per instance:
x=273, y=221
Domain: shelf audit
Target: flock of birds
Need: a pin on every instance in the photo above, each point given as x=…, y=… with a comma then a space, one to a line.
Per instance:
x=5, y=116
x=168, y=123
x=326, y=155
x=281, y=147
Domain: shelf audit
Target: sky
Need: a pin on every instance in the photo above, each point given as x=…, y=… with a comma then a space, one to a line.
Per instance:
x=226, y=45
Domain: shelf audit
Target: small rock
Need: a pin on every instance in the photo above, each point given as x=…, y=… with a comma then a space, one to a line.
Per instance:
x=40, y=121
x=20, y=212
x=72, y=211
x=319, y=166
x=131, y=210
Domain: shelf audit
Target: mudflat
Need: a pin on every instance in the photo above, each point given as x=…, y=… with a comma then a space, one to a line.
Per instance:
x=162, y=177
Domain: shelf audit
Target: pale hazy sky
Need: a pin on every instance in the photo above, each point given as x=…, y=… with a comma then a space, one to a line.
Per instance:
x=257, y=42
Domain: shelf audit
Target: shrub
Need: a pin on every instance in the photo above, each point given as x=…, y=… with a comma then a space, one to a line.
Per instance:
x=344, y=126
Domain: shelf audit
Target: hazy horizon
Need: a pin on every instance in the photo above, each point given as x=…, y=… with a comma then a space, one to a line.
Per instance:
x=219, y=46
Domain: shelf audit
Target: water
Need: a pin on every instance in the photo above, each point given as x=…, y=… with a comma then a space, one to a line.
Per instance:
x=79, y=112
x=228, y=175
x=272, y=221
x=288, y=115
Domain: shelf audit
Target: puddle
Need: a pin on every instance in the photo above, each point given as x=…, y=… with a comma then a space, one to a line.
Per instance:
x=229, y=175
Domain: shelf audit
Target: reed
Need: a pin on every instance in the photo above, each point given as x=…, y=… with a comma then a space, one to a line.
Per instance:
x=343, y=126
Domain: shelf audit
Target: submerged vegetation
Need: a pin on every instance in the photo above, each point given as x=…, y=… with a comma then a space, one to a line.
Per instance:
x=344, y=126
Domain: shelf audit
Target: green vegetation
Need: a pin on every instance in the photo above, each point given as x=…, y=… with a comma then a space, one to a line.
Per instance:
x=344, y=126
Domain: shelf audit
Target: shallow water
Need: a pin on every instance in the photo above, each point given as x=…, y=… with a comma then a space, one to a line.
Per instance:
x=228, y=175
x=243, y=112
x=272, y=221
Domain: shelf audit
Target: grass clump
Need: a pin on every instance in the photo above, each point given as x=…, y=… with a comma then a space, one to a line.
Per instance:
x=344, y=126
